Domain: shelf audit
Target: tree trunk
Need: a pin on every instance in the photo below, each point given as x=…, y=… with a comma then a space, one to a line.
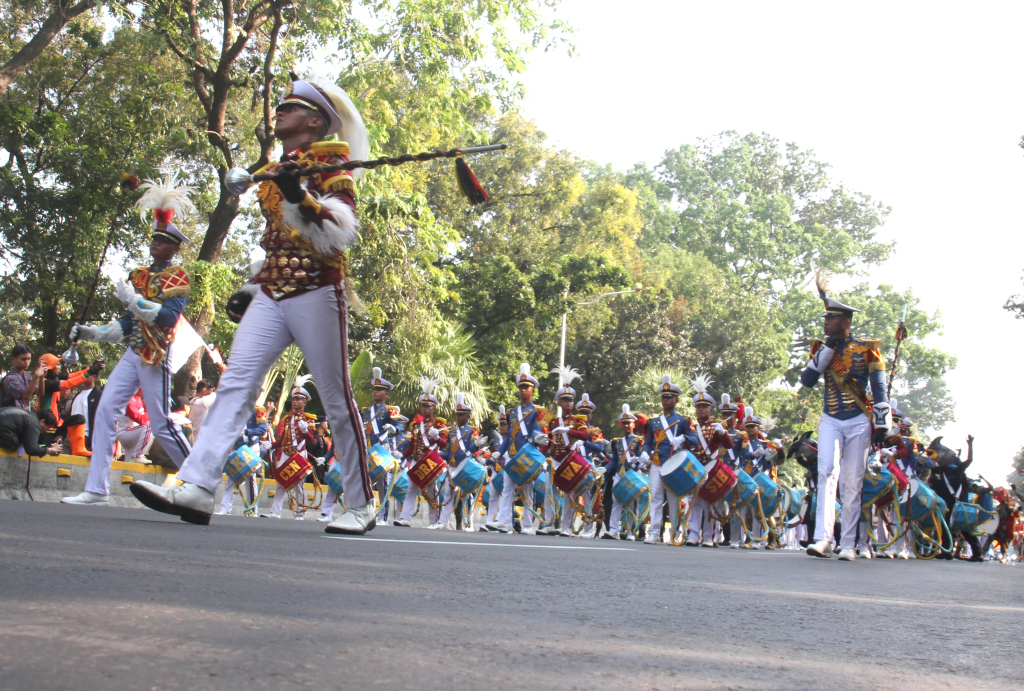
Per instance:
x=217, y=232
x=60, y=16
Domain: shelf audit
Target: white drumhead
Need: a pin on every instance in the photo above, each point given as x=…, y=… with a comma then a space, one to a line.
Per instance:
x=672, y=464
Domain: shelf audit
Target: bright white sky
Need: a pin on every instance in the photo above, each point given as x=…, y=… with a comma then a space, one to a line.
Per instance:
x=917, y=104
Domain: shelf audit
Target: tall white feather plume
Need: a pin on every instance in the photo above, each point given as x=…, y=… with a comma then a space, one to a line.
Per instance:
x=768, y=424
x=377, y=372
x=666, y=379
x=585, y=398
x=748, y=411
x=460, y=399
x=625, y=409
x=524, y=368
x=566, y=373
x=701, y=382
x=726, y=400
x=893, y=404
x=304, y=379
x=427, y=385
x=165, y=193
x=501, y=409
x=353, y=130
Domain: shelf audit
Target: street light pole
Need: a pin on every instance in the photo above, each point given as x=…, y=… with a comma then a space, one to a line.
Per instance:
x=561, y=349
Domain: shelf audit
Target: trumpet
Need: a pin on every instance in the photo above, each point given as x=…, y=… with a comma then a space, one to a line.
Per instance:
x=238, y=180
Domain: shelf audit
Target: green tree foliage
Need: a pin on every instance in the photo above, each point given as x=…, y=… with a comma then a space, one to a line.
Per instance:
x=84, y=112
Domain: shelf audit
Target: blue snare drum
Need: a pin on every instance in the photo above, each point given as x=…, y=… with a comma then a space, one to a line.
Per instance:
x=875, y=485
x=241, y=464
x=964, y=517
x=631, y=484
x=922, y=499
x=683, y=474
x=934, y=519
x=498, y=481
x=540, y=489
x=744, y=491
x=792, y=499
x=771, y=495
x=988, y=519
x=401, y=485
x=469, y=476
x=381, y=461
x=525, y=466
x=333, y=478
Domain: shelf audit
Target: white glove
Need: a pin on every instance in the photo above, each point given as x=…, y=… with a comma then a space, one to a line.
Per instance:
x=110, y=333
x=319, y=460
x=883, y=416
x=481, y=441
x=887, y=454
x=645, y=459
x=720, y=428
x=145, y=310
x=561, y=430
x=390, y=430
x=397, y=454
x=540, y=439
x=822, y=359
x=265, y=446
x=125, y=292
x=600, y=470
x=303, y=426
x=433, y=433
x=759, y=452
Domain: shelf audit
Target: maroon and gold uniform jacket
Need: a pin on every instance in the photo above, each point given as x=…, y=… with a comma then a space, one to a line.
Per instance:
x=419, y=442
x=296, y=235
x=710, y=442
x=578, y=431
x=290, y=439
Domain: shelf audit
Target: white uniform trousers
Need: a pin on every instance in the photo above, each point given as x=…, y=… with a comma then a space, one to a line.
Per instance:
x=843, y=447
x=615, y=517
x=134, y=440
x=569, y=504
x=412, y=496
x=701, y=524
x=659, y=495
x=506, y=509
x=493, y=502
x=447, y=501
x=131, y=374
x=330, y=501
x=317, y=321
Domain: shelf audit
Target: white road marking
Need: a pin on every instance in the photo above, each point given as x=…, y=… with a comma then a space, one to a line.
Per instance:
x=480, y=544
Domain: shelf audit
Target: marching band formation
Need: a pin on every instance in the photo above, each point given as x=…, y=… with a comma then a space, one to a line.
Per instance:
x=870, y=488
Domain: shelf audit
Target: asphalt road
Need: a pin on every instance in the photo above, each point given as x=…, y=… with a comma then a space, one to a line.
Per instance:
x=107, y=598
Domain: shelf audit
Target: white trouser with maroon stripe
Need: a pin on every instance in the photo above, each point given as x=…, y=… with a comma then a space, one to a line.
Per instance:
x=134, y=440
x=843, y=446
x=131, y=374
x=317, y=322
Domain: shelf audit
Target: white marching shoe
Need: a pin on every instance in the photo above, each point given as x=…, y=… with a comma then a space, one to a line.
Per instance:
x=272, y=514
x=358, y=521
x=530, y=529
x=864, y=553
x=847, y=554
x=88, y=499
x=192, y=503
x=499, y=527
x=547, y=530
x=403, y=523
x=325, y=518
x=821, y=548
x=652, y=539
x=565, y=532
